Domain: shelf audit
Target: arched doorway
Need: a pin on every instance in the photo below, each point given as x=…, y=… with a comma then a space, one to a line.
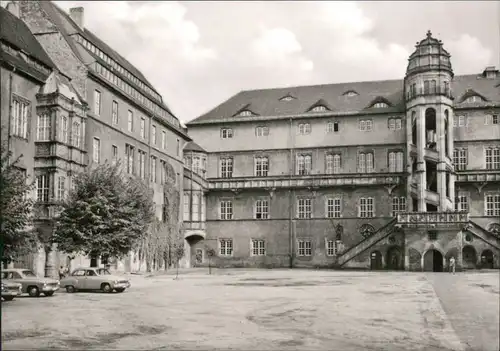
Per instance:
x=433, y=261
x=394, y=259
x=375, y=260
x=487, y=259
x=195, y=254
x=469, y=257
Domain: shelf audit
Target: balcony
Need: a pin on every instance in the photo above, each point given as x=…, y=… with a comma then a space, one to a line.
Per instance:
x=432, y=219
x=299, y=181
x=195, y=225
x=485, y=175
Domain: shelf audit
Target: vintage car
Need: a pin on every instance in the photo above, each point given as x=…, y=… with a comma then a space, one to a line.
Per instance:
x=31, y=283
x=10, y=290
x=94, y=279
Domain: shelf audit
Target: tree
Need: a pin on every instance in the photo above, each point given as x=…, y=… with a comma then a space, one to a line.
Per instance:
x=106, y=214
x=17, y=238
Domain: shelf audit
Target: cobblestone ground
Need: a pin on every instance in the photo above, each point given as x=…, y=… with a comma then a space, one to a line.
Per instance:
x=267, y=310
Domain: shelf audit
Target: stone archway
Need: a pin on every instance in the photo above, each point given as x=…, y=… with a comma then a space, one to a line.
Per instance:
x=487, y=259
x=194, y=253
x=375, y=260
x=469, y=257
x=433, y=261
x=394, y=258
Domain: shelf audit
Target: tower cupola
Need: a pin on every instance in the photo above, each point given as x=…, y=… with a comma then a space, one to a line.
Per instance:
x=429, y=55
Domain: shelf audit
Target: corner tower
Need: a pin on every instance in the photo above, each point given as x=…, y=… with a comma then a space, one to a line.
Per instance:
x=429, y=111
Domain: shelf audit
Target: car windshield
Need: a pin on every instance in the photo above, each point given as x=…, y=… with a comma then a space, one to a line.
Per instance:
x=103, y=271
x=29, y=274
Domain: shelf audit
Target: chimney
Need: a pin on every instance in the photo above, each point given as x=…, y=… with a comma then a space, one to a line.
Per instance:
x=77, y=15
x=13, y=7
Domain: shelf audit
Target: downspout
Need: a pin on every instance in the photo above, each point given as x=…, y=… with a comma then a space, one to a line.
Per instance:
x=290, y=221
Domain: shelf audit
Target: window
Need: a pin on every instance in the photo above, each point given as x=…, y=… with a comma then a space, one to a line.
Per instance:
x=130, y=121
x=432, y=235
x=114, y=153
x=398, y=205
x=286, y=98
x=153, y=169
x=153, y=135
x=226, y=167
x=61, y=187
x=350, y=93
x=491, y=119
x=304, y=164
x=304, y=247
x=245, y=113
x=43, y=131
x=97, y=102
x=333, y=207
x=258, y=247
x=460, y=121
x=380, y=105
x=262, y=209
x=129, y=152
x=64, y=129
x=187, y=207
x=261, y=131
x=366, y=125
x=366, y=207
x=196, y=207
x=396, y=161
x=226, y=133
x=319, y=108
x=114, y=112
x=196, y=164
x=76, y=134
x=462, y=202
x=473, y=99
x=365, y=162
x=226, y=209
x=304, y=128
x=332, y=164
x=492, y=158
x=332, y=127
x=142, y=164
x=42, y=188
x=332, y=247
x=143, y=128
x=96, y=150
x=261, y=166
x=226, y=247
x=19, y=119
x=395, y=123
x=163, y=140
x=460, y=159
x=304, y=208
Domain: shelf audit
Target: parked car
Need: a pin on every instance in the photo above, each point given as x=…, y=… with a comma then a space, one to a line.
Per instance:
x=10, y=290
x=30, y=282
x=94, y=279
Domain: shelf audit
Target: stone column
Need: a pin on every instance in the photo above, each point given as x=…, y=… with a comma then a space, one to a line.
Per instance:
x=460, y=239
x=50, y=261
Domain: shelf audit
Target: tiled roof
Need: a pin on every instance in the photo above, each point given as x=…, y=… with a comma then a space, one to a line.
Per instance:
x=266, y=102
x=101, y=45
x=16, y=33
x=192, y=146
x=21, y=65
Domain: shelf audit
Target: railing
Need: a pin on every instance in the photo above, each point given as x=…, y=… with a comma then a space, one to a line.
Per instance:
x=432, y=218
x=195, y=225
x=486, y=175
x=325, y=180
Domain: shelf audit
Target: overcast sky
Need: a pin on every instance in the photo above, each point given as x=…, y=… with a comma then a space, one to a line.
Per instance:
x=198, y=54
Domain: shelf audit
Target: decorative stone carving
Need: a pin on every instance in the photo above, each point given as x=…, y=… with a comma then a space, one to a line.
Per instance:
x=339, y=232
x=367, y=230
x=494, y=228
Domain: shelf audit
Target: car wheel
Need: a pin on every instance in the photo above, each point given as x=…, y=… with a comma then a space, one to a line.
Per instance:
x=33, y=291
x=8, y=298
x=70, y=289
x=120, y=290
x=49, y=293
x=106, y=288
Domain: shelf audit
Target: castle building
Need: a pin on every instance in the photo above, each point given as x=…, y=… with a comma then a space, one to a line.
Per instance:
x=394, y=174
x=75, y=102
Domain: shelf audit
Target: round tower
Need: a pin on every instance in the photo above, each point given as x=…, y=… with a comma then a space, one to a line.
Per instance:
x=429, y=111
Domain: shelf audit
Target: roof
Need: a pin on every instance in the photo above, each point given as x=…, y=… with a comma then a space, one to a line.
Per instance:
x=192, y=146
x=266, y=102
x=14, y=31
x=101, y=45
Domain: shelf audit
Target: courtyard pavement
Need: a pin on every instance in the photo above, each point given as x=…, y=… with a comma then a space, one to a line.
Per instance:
x=267, y=310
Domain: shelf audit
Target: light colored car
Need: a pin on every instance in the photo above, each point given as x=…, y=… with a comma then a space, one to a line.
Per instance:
x=31, y=283
x=94, y=279
x=10, y=290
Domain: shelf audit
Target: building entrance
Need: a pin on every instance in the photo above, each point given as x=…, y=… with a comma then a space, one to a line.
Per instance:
x=433, y=261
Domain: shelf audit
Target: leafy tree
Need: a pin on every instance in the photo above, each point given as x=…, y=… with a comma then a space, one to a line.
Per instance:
x=17, y=238
x=106, y=214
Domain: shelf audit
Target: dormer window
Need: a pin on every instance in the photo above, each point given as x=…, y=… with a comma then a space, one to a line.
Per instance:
x=350, y=93
x=380, y=105
x=473, y=98
x=319, y=108
x=287, y=98
x=245, y=113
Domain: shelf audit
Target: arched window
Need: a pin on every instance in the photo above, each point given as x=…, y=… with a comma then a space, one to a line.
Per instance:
x=366, y=230
x=426, y=87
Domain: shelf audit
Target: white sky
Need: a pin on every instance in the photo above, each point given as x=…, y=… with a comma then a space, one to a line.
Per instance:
x=198, y=54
